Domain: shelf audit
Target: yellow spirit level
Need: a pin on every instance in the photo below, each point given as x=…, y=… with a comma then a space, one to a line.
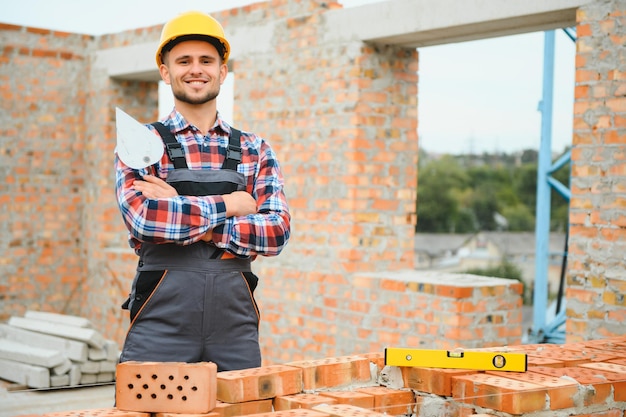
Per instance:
x=480, y=360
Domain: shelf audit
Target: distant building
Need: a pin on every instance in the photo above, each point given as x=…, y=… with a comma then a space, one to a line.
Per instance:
x=460, y=252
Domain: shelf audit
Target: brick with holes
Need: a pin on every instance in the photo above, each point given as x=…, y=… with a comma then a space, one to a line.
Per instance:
x=96, y=412
x=162, y=387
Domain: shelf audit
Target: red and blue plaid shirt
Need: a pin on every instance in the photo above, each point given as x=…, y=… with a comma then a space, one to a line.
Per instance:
x=185, y=219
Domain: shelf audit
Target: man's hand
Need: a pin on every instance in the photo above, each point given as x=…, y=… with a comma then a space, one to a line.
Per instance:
x=239, y=203
x=152, y=187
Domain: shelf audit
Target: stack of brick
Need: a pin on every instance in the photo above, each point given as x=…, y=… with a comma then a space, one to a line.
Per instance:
x=48, y=350
x=578, y=379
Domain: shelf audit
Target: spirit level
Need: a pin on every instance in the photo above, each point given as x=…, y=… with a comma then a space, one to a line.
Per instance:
x=480, y=360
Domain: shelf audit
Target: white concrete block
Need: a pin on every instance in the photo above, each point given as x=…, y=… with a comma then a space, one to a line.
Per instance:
x=97, y=354
x=60, y=380
x=68, y=320
x=88, y=379
x=63, y=368
x=105, y=377
x=108, y=366
x=73, y=350
x=112, y=349
x=75, y=375
x=89, y=336
x=90, y=367
x=20, y=352
x=29, y=375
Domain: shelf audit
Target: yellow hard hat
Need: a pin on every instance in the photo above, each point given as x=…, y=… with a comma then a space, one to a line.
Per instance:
x=193, y=26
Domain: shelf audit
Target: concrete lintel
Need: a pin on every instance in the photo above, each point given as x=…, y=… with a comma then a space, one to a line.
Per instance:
x=133, y=62
x=418, y=23
x=137, y=62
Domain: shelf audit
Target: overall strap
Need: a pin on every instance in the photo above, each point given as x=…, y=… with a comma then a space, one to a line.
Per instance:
x=233, y=153
x=174, y=149
x=177, y=156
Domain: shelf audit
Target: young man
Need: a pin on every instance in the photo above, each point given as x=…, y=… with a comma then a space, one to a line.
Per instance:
x=200, y=215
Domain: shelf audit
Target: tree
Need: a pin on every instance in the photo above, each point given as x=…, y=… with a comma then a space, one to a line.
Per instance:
x=437, y=207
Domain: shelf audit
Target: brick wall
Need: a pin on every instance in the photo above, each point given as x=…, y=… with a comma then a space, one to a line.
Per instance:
x=343, y=120
x=338, y=116
x=43, y=90
x=596, y=283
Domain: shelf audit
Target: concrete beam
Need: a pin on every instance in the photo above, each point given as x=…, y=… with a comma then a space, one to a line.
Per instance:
x=76, y=351
x=418, y=23
x=20, y=352
x=137, y=62
x=406, y=23
x=89, y=336
x=66, y=319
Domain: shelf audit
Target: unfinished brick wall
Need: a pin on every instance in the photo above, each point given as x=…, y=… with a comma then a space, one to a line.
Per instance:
x=596, y=284
x=342, y=117
x=44, y=96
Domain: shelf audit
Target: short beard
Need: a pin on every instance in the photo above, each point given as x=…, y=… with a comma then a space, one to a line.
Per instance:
x=182, y=96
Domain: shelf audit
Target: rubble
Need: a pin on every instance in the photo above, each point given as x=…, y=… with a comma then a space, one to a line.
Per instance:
x=48, y=350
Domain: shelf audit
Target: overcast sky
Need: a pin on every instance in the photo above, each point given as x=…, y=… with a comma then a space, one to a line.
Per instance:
x=473, y=96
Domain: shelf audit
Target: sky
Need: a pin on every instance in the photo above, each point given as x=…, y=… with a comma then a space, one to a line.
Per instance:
x=473, y=97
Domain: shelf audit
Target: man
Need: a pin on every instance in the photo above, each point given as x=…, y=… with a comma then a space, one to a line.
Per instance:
x=200, y=215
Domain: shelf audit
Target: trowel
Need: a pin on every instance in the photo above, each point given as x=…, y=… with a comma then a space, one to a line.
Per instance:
x=137, y=146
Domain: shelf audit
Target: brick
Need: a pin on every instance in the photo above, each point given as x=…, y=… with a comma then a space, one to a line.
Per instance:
x=433, y=380
x=354, y=398
x=97, y=412
x=241, y=409
x=210, y=414
x=258, y=383
x=596, y=388
x=502, y=394
x=391, y=401
x=300, y=412
x=346, y=410
x=561, y=392
x=304, y=400
x=324, y=373
x=161, y=387
x=615, y=373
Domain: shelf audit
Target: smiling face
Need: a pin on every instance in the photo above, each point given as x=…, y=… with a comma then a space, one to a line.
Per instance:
x=195, y=72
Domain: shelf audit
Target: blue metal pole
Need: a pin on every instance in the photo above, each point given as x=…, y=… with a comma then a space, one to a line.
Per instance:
x=542, y=222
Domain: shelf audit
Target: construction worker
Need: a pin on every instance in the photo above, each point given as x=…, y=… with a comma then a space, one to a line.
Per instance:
x=200, y=216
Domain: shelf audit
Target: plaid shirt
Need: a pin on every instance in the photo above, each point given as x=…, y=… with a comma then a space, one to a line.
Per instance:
x=185, y=219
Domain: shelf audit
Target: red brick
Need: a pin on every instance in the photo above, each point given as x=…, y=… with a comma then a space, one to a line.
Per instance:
x=241, y=409
x=97, y=412
x=433, y=380
x=300, y=412
x=502, y=394
x=258, y=383
x=304, y=400
x=355, y=398
x=561, y=391
x=329, y=372
x=597, y=388
x=166, y=387
x=346, y=410
x=391, y=401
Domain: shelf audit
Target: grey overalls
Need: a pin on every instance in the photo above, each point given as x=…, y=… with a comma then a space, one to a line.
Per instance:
x=187, y=304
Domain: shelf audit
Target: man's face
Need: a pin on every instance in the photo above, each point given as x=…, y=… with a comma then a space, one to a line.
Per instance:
x=195, y=72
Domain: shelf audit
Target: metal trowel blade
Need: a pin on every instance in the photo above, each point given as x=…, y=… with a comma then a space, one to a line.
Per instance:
x=137, y=146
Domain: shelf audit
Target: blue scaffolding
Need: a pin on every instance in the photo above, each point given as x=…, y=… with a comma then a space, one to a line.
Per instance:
x=544, y=330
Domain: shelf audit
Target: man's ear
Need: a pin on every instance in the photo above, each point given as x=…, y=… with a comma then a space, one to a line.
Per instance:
x=223, y=73
x=165, y=73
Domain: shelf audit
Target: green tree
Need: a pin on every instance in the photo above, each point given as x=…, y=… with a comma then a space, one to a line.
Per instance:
x=439, y=181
